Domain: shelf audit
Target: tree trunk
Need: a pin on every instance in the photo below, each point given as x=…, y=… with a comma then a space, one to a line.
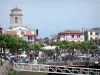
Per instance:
x=0, y=49
x=4, y=51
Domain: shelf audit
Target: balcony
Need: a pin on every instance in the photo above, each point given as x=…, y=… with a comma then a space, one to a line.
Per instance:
x=74, y=39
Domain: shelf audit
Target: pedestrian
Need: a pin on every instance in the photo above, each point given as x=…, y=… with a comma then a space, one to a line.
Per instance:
x=3, y=61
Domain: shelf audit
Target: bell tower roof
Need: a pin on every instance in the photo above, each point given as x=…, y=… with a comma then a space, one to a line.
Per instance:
x=16, y=9
x=16, y=17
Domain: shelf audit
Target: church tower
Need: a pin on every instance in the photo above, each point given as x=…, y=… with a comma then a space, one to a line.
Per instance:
x=16, y=17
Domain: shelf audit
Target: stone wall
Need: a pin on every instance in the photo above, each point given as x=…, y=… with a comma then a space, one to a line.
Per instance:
x=4, y=68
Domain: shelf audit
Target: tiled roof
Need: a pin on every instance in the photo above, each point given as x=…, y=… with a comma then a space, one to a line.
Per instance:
x=72, y=31
x=16, y=9
x=54, y=36
x=10, y=32
x=95, y=28
x=29, y=34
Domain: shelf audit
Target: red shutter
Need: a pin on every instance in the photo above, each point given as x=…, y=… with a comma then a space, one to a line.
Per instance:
x=90, y=33
x=72, y=36
x=90, y=38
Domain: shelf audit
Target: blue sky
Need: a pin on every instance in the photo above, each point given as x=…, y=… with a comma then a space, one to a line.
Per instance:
x=53, y=16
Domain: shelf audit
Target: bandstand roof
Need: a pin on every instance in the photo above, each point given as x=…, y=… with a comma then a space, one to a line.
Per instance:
x=49, y=48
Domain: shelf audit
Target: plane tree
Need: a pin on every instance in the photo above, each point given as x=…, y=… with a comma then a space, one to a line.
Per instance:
x=12, y=43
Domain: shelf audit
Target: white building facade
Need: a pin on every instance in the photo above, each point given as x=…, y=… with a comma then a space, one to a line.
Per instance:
x=94, y=33
x=17, y=28
x=71, y=35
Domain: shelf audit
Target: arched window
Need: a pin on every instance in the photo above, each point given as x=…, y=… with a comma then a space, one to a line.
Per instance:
x=16, y=20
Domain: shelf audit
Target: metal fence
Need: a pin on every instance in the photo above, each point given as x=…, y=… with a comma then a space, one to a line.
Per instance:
x=55, y=69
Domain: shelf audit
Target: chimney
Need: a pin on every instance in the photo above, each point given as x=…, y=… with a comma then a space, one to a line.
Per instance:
x=58, y=36
x=86, y=30
x=82, y=29
x=37, y=32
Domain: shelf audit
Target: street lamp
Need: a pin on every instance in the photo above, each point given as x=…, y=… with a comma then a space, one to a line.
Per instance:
x=56, y=53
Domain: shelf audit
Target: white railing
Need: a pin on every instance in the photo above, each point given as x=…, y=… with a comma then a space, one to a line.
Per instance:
x=55, y=69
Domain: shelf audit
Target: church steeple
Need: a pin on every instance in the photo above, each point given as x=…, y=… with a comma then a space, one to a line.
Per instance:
x=16, y=17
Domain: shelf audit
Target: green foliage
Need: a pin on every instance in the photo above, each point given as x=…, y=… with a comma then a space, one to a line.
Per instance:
x=41, y=45
x=12, y=42
x=86, y=36
x=3, y=44
x=11, y=72
x=34, y=47
x=82, y=46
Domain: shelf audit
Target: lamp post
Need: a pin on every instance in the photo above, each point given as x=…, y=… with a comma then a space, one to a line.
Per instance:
x=98, y=51
x=57, y=53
